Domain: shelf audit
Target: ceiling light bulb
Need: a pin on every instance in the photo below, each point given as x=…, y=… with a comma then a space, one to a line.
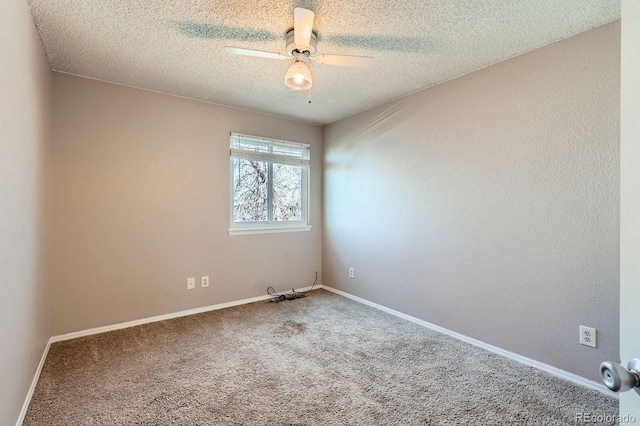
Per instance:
x=298, y=76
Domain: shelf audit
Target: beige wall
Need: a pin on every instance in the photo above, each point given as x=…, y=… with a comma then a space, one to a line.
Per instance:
x=25, y=157
x=489, y=205
x=141, y=202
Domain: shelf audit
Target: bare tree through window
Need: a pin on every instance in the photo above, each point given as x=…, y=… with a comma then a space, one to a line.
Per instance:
x=250, y=189
x=287, y=192
x=268, y=181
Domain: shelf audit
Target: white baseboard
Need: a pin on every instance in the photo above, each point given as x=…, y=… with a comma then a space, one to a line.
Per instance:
x=32, y=388
x=134, y=323
x=574, y=378
x=565, y=375
x=172, y=315
x=98, y=330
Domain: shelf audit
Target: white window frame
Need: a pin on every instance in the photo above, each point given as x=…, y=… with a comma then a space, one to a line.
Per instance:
x=270, y=226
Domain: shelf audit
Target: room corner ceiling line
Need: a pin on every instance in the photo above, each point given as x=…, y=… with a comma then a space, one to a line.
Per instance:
x=189, y=99
x=178, y=49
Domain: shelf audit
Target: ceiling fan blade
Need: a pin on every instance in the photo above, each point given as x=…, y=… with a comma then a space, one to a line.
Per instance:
x=345, y=61
x=303, y=27
x=258, y=53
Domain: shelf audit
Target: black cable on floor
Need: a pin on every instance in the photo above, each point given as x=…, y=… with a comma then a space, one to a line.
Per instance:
x=277, y=297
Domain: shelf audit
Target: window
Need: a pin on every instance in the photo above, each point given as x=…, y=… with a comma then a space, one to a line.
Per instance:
x=269, y=185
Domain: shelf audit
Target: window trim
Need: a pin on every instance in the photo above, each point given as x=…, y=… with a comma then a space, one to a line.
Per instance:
x=268, y=230
x=271, y=227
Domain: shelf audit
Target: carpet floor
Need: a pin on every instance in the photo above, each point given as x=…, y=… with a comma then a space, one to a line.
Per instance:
x=319, y=360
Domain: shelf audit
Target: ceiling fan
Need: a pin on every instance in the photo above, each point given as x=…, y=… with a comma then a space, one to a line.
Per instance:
x=301, y=44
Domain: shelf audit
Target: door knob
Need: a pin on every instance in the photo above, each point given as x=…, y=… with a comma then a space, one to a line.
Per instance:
x=620, y=379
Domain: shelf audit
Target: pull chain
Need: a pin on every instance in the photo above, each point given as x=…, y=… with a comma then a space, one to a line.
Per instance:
x=309, y=100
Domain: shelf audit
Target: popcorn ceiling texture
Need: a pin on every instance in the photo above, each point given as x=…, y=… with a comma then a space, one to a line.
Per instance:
x=176, y=47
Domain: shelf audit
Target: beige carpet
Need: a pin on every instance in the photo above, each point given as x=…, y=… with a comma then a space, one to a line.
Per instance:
x=321, y=360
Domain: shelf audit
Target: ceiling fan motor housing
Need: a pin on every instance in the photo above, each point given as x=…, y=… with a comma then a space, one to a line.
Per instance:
x=291, y=46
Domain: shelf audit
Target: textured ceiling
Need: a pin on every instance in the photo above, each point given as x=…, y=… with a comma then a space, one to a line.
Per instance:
x=176, y=46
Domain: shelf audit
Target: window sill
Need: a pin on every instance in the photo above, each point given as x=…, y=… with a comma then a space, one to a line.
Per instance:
x=270, y=230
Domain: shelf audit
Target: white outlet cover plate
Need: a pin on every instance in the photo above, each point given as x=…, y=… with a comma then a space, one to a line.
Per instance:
x=352, y=273
x=204, y=282
x=191, y=283
x=587, y=336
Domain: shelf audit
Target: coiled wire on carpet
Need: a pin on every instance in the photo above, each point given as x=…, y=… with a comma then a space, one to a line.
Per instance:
x=277, y=297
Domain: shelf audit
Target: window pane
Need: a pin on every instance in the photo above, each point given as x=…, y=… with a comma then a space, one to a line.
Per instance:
x=250, y=181
x=256, y=146
x=290, y=151
x=287, y=192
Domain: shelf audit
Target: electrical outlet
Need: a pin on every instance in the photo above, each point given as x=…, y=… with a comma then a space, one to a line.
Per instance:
x=204, y=281
x=587, y=336
x=191, y=283
x=352, y=273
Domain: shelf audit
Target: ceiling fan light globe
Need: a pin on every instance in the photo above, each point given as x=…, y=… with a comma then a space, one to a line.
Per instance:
x=298, y=76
